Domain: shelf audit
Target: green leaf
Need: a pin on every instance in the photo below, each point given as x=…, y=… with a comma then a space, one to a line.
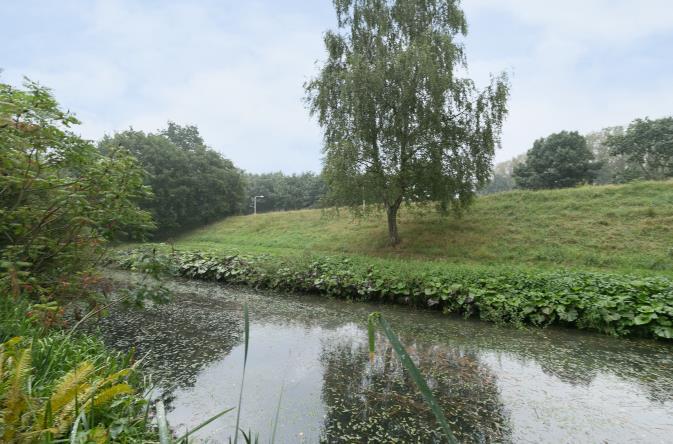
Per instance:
x=569, y=315
x=664, y=332
x=644, y=318
x=418, y=379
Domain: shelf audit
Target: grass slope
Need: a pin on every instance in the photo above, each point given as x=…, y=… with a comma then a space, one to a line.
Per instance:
x=626, y=228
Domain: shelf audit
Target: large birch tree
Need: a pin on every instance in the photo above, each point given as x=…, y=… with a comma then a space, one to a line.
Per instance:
x=400, y=123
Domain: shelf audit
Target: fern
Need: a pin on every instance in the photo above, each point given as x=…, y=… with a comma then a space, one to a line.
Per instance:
x=115, y=377
x=108, y=394
x=24, y=418
x=70, y=385
x=15, y=400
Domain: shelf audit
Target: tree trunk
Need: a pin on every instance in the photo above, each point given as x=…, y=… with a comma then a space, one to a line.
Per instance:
x=393, y=235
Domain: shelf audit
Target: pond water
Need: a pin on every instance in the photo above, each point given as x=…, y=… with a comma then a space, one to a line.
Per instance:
x=495, y=384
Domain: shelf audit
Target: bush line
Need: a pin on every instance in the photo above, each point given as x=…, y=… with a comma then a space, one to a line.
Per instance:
x=618, y=305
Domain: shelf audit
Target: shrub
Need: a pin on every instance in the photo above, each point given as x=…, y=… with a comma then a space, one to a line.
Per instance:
x=60, y=199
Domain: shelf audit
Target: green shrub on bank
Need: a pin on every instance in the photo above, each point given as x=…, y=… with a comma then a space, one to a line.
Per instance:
x=619, y=305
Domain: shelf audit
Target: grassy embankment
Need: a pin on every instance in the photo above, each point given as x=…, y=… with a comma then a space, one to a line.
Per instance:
x=598, y=258
x=619, y=228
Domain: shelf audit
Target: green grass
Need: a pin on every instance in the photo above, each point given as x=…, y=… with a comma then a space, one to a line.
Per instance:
x=623, y=228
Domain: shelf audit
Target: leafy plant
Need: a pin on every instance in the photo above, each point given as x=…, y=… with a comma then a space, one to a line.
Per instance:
x=61, y=199
x=30, y=417
x=620, y=305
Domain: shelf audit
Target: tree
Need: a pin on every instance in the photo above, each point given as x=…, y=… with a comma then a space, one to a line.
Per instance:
x=399, y=124
x=614, y=167
x=503, y=176
x=60, y=198
x=193, y=185
x=560, y=160
x=284, y=192
x=647, y=146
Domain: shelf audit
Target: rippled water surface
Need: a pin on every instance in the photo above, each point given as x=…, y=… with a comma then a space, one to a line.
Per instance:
x=496, y=384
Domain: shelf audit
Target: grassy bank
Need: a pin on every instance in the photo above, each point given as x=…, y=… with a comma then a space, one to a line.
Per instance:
x=598, y=258
x=616, y=304
x=627, y=228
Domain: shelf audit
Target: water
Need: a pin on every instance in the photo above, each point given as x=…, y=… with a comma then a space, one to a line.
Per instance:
x=496, y=384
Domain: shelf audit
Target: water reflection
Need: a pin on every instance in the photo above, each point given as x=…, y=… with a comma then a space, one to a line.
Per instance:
x=380, y=403
x=496, y=384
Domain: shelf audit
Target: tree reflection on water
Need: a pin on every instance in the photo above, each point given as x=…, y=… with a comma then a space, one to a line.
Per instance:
x=378, y=402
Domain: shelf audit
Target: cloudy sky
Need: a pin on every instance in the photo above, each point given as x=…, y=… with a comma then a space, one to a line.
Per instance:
x=235, y=68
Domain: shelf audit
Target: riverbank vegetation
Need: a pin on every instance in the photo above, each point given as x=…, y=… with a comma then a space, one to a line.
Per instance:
x=615, y=304
x=62, y=201
x=56, y=385
x=588, y=257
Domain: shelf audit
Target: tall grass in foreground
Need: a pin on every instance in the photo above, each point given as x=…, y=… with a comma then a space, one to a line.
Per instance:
x=376, y=319
x=59, y=388
x=162, y=423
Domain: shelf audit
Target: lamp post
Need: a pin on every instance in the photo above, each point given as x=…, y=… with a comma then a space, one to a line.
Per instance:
x=254, y=203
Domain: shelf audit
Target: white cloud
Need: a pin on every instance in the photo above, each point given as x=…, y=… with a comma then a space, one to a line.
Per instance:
x=236, y=73
x=236, y=69
x=553, y=86
x=595, y=21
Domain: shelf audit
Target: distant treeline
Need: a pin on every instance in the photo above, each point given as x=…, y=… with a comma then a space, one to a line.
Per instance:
x=641, y=151
x=193, y=185
x=284, y=192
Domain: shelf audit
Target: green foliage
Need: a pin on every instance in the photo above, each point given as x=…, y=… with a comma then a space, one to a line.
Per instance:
x=192, y=184
x=60, y=199
x=503, y=176
x=63, y=386
x=284, y=192
x=560, y=160
x=647, y=146
x=614, y=168
x=399, y=125
x=620, y=305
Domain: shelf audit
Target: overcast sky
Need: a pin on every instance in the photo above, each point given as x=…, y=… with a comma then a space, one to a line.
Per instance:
x=236, y=68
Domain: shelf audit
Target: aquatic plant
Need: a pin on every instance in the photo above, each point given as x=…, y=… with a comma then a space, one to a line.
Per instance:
x=615, y=304
x=375, y=319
